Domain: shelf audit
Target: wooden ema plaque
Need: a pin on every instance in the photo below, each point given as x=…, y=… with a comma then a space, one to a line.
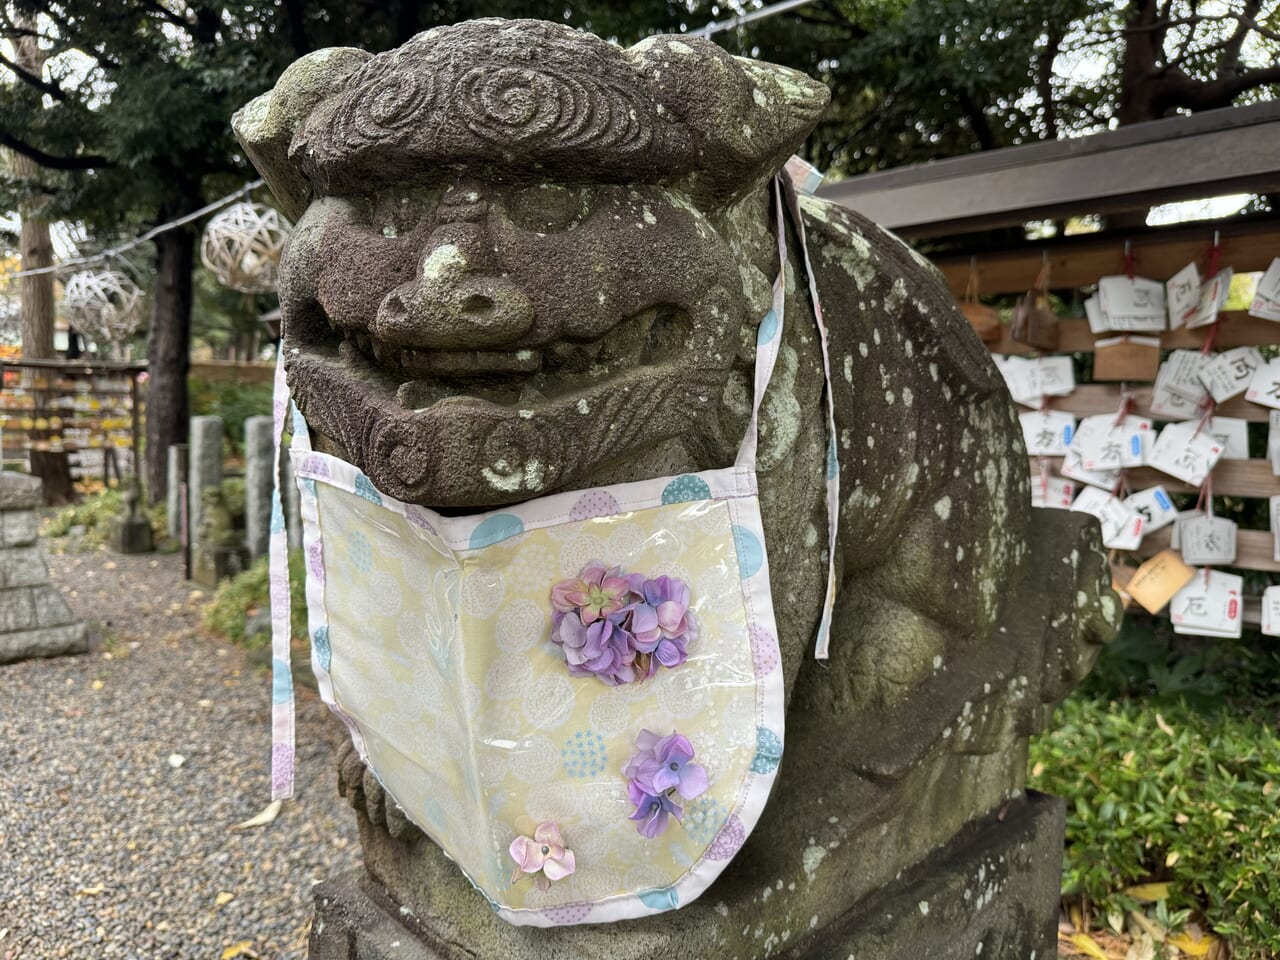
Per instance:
x=1126, y=359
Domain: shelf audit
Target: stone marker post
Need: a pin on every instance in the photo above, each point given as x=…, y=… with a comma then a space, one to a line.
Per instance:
x=177, y=473
x=259, y=477
x=34, y=619
x=204, y=469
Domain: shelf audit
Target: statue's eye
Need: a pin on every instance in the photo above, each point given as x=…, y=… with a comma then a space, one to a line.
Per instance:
x=546, y=208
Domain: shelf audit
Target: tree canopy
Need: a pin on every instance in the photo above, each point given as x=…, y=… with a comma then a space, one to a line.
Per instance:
x=127, y=121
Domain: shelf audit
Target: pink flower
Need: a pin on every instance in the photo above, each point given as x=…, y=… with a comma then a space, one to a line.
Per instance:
x=597, y=593
x=543, y=855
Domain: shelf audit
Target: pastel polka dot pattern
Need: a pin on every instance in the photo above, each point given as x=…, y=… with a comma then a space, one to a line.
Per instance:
x=281, y=765
x=664, y=898
x=320, y=648
x=595, y=503
x=750, y=551
x=495, y=529
x=360, y=551
x=584, y=755
x=729, y=840
x=768, y=328
x=764, y=650
x=703, y=818
x=568, y=913
x=685, y=488
x=281, y=682
x=315, y=559
x=365, y=488
x=768, y=751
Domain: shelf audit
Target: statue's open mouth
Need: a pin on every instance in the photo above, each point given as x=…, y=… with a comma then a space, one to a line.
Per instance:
x=523, y=376
x=463, y=428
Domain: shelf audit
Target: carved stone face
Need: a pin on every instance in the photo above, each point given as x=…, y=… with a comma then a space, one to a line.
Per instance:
x=511, y=273
x=531, y=330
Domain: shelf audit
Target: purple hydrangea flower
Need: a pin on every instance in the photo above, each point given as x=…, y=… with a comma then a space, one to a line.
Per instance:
x=652, y=813
x=621, y=627
x=659, y=770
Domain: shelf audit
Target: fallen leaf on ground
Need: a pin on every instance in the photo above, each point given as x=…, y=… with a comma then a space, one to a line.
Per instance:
x=1149, y=892
x=93, y=891
x=223, y=898
x=1193, y=946
x=242, y=949
x=262, y=818
x=1086, y=943
x=97, y=684
x=1164, y=727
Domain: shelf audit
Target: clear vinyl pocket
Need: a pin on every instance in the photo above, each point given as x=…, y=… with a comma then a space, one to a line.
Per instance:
x=444, y=665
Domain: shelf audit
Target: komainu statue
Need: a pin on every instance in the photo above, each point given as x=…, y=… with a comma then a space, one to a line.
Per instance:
x=540, y=290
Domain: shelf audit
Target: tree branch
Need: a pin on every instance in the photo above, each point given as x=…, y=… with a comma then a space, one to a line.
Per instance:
x=44, y=86
x=88, y=161
x=1229, y=61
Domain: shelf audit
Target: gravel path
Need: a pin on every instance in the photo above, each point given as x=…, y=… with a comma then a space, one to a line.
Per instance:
x=109, y=847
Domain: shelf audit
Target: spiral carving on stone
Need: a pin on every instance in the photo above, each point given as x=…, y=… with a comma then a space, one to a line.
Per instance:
x=521, y=104
x=384, y=96
x=406, y=100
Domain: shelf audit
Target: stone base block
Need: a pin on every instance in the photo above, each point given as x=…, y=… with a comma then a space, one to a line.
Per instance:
x=47, y=642
x=131, y=535
x=991, y=892
x=212, y=565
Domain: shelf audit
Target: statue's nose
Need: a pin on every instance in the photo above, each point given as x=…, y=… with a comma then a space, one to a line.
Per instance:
x=458, y=300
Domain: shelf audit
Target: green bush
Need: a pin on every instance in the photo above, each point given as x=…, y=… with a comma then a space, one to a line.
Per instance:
x=1169, y=761
x=249, y=592
x=233, y=402
x=94, y=513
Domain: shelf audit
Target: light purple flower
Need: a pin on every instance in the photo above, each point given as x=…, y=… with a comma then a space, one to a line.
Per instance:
x=543, y=855
x=621, y=627
x=652, y=813
x=604, y=649
x=661, y=768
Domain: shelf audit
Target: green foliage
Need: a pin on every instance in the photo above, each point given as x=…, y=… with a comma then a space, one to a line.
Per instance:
x=233, y=402
x=249, y=593
x=94, y=514
x=1147, y=660
x=1176, y=795
x=1169, y=760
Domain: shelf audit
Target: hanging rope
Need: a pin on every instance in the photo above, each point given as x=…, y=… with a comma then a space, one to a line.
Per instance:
x=107, y=255
x=720, y=26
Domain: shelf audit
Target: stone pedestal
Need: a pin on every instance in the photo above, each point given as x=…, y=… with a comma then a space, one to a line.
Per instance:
x=218, y=553
x=131, y=533
x=991, y=892
x=34, y=619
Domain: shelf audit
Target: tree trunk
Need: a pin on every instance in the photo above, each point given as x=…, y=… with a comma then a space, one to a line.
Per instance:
x=37, y=248
x=168, y=349
x=37, y=251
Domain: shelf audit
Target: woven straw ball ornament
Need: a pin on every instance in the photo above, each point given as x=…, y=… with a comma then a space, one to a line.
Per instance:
x=242, y=245
x=104, y=304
